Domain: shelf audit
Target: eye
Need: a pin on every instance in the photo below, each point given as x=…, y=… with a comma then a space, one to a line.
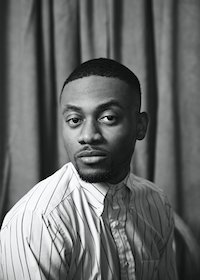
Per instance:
x=74, y=121
x=109, y=119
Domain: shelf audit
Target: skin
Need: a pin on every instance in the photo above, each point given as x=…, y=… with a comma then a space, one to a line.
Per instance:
x=101, y=123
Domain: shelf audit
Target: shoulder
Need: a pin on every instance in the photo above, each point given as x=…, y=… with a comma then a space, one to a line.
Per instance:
x=147, y=188
x=151, y=203
x=44, y=196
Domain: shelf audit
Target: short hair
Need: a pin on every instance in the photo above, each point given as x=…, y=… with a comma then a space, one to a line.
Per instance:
x=105, y=67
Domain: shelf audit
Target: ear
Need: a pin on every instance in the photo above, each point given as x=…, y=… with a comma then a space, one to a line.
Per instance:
x=142, y=124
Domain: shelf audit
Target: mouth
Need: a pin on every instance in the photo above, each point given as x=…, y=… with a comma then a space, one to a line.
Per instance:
x=91, y=156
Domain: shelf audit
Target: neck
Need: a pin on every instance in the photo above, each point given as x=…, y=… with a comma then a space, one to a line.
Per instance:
x=118, y=177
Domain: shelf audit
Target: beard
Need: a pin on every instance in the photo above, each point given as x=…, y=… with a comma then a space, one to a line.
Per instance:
x=94, y=176
x=97, y=177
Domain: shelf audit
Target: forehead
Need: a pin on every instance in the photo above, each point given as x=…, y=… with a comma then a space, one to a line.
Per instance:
x=97, y=89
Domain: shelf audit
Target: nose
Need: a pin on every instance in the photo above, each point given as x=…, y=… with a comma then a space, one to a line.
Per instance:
x=90, y=133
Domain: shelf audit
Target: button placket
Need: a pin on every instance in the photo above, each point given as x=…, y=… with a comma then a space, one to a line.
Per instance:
x=117, y=213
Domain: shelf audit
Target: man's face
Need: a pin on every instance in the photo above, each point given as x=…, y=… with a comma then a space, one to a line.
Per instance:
x=99, y=127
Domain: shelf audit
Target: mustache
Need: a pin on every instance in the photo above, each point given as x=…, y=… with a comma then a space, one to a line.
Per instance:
x=87, y=151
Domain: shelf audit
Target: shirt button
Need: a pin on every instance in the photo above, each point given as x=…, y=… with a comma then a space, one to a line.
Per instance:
x=126, y=265
x=114, y=224
x=118, y=225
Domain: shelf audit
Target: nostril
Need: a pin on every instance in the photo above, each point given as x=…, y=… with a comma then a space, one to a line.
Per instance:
x=81, y=141
x=84, y=139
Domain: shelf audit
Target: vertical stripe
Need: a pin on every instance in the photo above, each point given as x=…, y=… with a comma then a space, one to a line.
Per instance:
x=11, y=252
x=18, y=247
x=69, y=229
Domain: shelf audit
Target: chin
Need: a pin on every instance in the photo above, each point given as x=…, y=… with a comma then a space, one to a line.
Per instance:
x=94, y=176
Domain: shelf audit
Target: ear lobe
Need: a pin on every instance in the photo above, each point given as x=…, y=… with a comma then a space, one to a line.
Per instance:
x=142, y=124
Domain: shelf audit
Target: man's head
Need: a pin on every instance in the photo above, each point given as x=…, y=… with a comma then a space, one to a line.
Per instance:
x=100, y=103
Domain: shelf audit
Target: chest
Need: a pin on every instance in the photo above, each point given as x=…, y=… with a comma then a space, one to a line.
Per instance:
x=119, y=244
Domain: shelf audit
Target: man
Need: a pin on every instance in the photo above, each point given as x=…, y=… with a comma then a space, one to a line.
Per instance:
x=93, y=219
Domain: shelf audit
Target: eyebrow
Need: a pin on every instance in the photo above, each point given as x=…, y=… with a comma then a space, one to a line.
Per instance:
x=111, y=103
x=101, y=107
x=70, y=107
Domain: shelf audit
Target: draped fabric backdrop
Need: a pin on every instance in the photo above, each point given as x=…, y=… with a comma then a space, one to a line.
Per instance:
x=41, y=43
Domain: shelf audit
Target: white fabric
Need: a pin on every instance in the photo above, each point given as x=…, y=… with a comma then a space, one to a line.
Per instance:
x=65, y=228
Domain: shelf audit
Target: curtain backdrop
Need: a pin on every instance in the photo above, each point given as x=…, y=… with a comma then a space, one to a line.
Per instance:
x=41, y=43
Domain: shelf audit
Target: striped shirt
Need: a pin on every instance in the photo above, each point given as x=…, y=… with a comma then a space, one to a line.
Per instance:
x=65, y=228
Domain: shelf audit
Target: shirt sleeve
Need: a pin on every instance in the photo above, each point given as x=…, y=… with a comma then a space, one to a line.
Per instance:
x=32, y=248
x=167, y=269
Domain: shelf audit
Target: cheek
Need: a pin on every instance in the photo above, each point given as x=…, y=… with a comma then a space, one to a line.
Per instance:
x=70, y=141
x=122, y=139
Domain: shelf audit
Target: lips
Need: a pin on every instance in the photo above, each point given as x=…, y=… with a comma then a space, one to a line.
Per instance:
x=91, y=156
x=90, y=153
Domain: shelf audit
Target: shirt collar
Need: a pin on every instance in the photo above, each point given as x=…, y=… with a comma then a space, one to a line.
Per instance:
x=96, y=192
x=113, y=188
